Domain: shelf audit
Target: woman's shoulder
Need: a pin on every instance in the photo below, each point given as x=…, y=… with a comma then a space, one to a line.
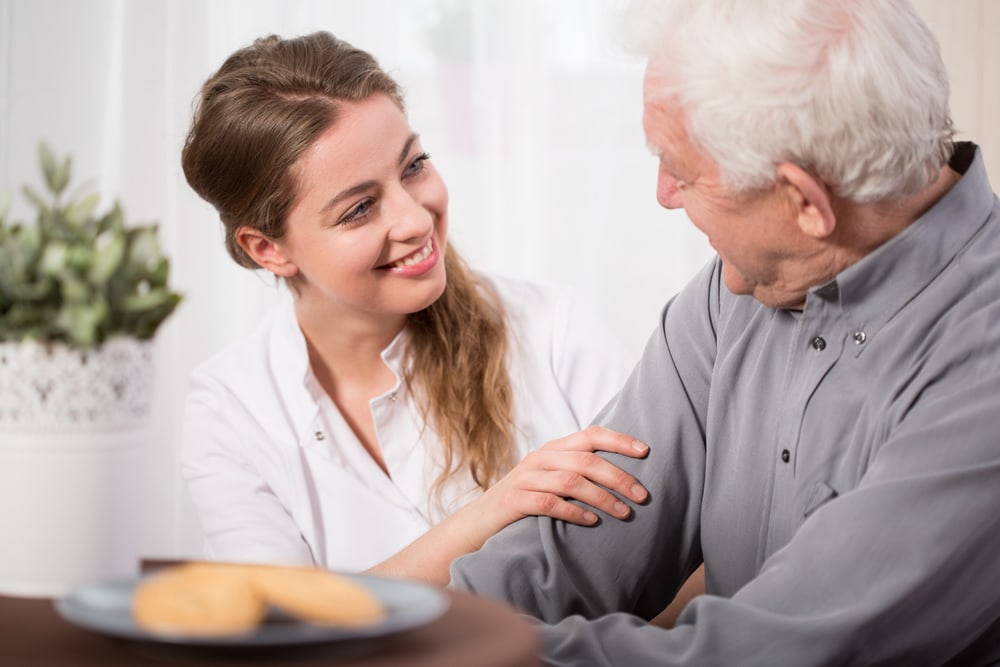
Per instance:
x=567, y=363
x=250, y=358
x=526, y=298
x=551, y=316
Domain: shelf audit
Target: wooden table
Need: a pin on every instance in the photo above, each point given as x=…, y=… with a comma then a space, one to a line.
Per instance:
x=474, y=632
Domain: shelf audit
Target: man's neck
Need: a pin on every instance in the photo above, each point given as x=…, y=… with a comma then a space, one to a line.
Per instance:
x=868, y=226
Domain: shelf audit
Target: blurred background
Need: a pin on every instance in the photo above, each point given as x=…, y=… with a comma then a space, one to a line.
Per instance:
x=529, y=108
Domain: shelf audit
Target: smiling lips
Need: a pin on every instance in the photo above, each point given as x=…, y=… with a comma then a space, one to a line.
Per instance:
x=419, y=262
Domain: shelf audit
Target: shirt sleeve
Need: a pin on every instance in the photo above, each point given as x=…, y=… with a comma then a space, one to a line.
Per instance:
x=242, y=518
x=901, y=569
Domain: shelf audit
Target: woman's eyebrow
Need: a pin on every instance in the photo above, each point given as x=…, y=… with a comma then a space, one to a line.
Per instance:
x=349, y=192
x=407, y=146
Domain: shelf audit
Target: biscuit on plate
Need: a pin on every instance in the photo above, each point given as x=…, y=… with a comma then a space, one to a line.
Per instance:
x=198, y=601
x=205, y=598
x=318, y=596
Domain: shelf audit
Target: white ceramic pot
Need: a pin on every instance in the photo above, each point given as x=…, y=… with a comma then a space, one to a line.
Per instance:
x=73, y=429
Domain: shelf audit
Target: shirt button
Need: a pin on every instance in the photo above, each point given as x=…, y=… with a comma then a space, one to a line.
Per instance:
x=785, y=455
x=859, y=337
x=393, y=397
x=319, y=435
x=818, y=344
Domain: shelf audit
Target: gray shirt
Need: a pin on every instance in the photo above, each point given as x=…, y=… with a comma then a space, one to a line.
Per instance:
x=837, y=469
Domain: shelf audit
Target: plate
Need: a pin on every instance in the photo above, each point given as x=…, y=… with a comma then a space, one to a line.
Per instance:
x=106, y=608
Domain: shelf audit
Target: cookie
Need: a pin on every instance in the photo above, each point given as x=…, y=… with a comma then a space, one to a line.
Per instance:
x=198, y=599
x=318, y=596
x=205, y=598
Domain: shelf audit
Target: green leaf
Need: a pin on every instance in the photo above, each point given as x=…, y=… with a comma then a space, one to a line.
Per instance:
x=139, y=303
x=81, y=322
x=60, y=179
x=158, y=276
x=48, y=163
x=28, y=295
x=5, y=199
x=109, y=256
x=114, y=219
x=28, y=316
x=80, y=257
x=144, y=249
x=76, y=290
x=54, y=259
x=35, y=198
x=78, y=212
x=26, y=242
x=147, y=323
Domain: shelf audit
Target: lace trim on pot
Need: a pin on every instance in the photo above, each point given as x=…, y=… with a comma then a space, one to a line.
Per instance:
x=54, y=385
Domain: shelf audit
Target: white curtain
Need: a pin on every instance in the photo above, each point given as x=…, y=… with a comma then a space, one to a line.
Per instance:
x=528, y=107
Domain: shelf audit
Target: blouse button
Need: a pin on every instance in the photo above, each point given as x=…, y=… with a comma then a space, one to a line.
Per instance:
x=393, y=397
x=785, y=456
x=818, y=344
x=859, y=337
x=319, y=435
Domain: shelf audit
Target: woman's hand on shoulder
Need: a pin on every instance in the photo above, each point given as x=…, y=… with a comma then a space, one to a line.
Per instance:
x=568, y=468
x=539, y=485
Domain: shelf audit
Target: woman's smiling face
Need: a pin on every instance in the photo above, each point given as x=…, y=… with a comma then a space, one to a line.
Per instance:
x=367, y=234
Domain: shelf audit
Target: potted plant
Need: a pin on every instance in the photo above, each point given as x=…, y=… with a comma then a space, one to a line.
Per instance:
x=81, y=296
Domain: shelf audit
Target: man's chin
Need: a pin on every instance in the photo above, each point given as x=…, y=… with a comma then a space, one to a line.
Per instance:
x=736, y=282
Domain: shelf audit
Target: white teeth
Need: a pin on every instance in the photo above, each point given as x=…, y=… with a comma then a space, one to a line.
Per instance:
x=419, y=257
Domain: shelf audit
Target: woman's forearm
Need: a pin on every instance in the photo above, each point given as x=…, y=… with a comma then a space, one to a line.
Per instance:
x=429, y=557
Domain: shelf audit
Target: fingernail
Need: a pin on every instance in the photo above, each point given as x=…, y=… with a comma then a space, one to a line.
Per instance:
x=590, y=517
x=640, y=447
x=621, y=509
x=638, y=493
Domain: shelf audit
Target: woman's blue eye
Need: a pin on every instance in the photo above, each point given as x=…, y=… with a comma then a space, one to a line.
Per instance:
x=417, y=165
x=358, y=212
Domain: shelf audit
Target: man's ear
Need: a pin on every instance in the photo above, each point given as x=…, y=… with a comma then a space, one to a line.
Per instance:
x=811, y=199
x=268, y=253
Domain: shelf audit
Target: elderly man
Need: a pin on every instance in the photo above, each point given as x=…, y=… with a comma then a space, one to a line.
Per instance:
x=822, y=402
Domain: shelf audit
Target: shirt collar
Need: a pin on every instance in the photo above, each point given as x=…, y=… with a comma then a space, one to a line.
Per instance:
x=874, y=289
x=394, y=355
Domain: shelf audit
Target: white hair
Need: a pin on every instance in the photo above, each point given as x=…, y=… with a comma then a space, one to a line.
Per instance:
x=853, y=90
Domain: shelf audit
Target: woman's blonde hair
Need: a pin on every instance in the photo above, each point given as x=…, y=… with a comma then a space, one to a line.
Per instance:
x=255, y=117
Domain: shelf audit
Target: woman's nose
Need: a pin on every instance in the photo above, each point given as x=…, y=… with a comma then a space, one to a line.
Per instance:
x=668, y=193
x=410, y=218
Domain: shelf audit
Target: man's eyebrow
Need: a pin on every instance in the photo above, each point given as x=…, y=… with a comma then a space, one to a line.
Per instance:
x=367, y=185
x=661, y=155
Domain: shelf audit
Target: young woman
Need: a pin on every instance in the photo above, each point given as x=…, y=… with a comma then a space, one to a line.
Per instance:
x=387, y=417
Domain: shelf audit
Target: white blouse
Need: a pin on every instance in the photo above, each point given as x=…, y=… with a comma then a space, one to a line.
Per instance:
x=278, y=476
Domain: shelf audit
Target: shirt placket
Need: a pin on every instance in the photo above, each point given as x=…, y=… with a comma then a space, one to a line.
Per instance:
x=398, y=434
x=331, y=438
x=819, y=344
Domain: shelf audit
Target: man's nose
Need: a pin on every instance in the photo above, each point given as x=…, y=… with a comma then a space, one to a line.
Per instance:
x=668, y=194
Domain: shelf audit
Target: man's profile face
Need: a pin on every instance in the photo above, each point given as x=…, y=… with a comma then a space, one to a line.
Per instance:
x=753, y=232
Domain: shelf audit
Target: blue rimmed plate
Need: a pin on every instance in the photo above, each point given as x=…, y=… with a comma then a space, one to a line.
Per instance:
x=106, y=608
